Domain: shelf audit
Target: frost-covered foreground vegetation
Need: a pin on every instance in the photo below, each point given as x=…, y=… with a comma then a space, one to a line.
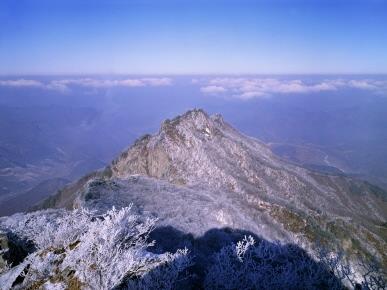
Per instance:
x=80, y=249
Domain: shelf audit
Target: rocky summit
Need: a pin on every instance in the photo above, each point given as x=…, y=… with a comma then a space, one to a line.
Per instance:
x=198, y=172
x=223, y=210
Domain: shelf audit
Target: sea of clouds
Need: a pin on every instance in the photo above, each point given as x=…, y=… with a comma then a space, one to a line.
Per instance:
x=244, y=88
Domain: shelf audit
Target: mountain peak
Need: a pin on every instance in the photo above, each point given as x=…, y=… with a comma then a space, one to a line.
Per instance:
x=198, y=149
x=204, y=172
x=174, y=153
x=192, y=120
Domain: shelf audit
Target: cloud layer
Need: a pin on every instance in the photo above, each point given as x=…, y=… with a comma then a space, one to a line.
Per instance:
x=248, y=88
x=234, y=87
x=65, y=84
x=21, y=83
x=213, y=89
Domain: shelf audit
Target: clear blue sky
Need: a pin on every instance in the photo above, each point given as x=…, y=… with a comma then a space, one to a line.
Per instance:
x=184, y=37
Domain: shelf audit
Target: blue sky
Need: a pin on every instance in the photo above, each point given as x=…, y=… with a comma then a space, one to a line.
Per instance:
x=192, y=37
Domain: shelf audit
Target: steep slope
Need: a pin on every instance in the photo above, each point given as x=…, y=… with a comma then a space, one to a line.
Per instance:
x=24, y=201
x=197, y=149
x=198, y=172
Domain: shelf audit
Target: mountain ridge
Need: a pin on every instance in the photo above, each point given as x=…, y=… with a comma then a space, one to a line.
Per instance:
x=212, y=165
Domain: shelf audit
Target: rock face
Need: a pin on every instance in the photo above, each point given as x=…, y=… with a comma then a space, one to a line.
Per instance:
x=199, y=173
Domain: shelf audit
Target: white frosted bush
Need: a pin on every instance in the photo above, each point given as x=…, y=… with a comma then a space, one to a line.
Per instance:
x=80, y=249
x=113, y=247
x=50, y=228
x=166, y=275
x=264, y=265
x=96, y=252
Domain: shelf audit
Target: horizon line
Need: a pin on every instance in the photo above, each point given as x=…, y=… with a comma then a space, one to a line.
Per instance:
x=191, y=74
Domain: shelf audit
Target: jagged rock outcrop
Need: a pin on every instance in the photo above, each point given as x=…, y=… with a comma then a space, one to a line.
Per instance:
x=197, y=149
x=198, y=172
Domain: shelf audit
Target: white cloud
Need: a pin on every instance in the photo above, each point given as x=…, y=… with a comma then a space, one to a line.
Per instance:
x=64, y=84
x=251, y=95
x=21, y=83
x=158, y=81
x=213, y=89
x=247, y=88
x=362, y=84
x=106, y=83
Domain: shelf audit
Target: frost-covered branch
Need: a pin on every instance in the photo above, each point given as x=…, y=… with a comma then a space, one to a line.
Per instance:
x=93, y=252
x=265, y=265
